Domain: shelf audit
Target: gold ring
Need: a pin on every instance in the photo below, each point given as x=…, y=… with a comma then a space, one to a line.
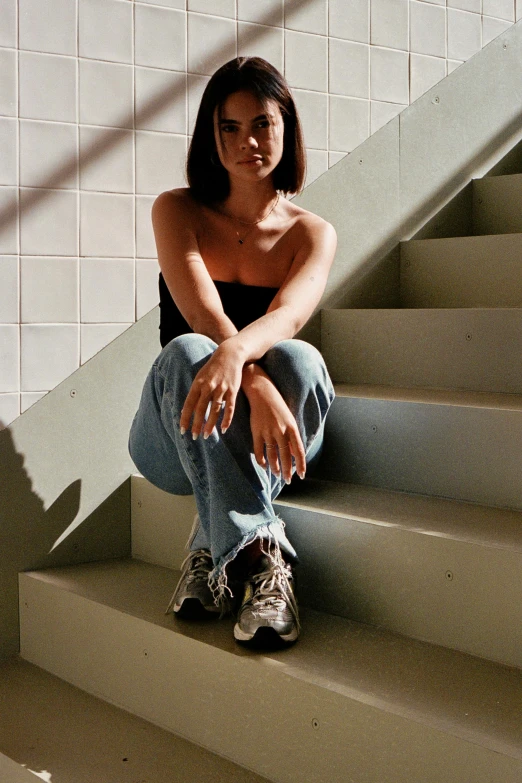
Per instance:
x=271, y=445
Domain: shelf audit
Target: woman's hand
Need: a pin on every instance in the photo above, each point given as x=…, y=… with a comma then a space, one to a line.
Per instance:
x=217, y=384
x=274, y=426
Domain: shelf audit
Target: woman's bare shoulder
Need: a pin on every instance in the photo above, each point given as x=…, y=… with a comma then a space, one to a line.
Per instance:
x=306, y=223
x=177, y=199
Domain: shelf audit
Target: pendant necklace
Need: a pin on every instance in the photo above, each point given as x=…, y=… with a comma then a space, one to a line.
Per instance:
x=255, y=222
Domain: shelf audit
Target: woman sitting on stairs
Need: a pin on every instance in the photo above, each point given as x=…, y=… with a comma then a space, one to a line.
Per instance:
x=233, y=406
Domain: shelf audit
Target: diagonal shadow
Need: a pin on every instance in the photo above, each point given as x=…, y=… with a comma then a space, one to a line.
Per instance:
x=168, y=96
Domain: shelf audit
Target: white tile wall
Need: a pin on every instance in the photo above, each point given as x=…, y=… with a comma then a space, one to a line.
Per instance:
x=9, y=290
x=167, y=29
x=464, y=34
x=50, y=353
x=8, y=23
x=106, y=93
x=8, y=158
x=389, y=23
x=349, y=68
x=49, y=222
x=310, y=72
x=254, y=40
x=58, y=37
x=105, y=30
x=95, y=122
x=48, y=154
x=269, y=12
x=428, y=29
x=107, y=290
x=49, y=289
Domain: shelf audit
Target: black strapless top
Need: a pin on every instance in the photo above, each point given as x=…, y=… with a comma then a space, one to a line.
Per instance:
x=241, y=303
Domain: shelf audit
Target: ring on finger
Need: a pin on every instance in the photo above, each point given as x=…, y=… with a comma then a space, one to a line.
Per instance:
x=271, y=445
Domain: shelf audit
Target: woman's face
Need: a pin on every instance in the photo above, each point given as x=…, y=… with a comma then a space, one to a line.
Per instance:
x=249, y=137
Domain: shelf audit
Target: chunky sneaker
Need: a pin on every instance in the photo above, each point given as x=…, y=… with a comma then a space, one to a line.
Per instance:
x=268, y=612
x=193, y=599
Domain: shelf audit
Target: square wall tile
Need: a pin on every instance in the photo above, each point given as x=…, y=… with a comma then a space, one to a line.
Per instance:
x=307, y=17
x=349, y=123
x=195, y=87
x=147, y=291
x=160, y=162
x=316, y=164
x=9, y=358
x=8, y=24
x=466, y=5
x=382, y=113
x=464, y=34
x=212, y=41
x=8, y=158
x=313, y=112
x=49, y=289
x=106, y=94
x=9, y=292
x=9, y=409
x=255, y=40
x=161, y=100
x=424, y=73
x=518, y=10
x=107, y=290
x=335, y=157
x=145, y=242
x=106, y=225
x=106, y=159
x=50, y=353
x=8, y=83
x=427, y=29
x=49, y=222
x=349, y=68
x=57, y=35
x=451, y=65
x=350, y=20
x=306, y=61
x=48, y=154
x=269, y=12
x=28, y=399
x=47, y=87
x=501, y=9
x=215, y=7
x=160, y=37
x=94, y=337
x=105, y=30
x=389, y=24
x=179, y=4
x=9, y=224
x=491, y=28
x=389, y=80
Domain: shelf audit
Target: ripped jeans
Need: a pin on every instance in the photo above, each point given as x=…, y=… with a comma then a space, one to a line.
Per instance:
x=233, y=493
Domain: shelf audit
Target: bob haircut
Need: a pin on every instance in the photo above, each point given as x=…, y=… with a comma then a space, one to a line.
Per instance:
x=207, y=178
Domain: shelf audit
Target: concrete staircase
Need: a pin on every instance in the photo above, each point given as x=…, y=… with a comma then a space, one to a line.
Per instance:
x=410, y=583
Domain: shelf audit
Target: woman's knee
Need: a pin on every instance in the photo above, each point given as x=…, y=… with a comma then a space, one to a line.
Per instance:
x=296, y=359
x=185, y=351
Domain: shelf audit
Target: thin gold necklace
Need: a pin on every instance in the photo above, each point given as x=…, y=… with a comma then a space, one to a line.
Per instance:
x=254, y=222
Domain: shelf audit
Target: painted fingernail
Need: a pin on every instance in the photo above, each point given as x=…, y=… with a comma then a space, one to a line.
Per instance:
x=223, y=430
x=205, y=435
x=194, y=436
x=302, y=475
x=182, y=430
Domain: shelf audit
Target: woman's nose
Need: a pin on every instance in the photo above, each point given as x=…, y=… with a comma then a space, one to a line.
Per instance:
x=249, y=141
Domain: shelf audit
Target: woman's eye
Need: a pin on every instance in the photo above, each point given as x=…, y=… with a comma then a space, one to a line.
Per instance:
x=228, y=128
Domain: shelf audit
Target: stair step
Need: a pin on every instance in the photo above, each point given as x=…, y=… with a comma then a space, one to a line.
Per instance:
x=417, y=711
x=497, y=204
x=475, y=349
x=11, y=772
x=456, y=444
x=434, y=569
x=479, y=271
x=53, y=727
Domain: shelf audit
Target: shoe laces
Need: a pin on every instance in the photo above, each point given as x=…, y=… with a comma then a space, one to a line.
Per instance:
x=272, y=589
x=196, y=566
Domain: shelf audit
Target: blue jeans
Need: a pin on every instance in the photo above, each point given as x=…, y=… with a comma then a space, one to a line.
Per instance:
x=233, y=493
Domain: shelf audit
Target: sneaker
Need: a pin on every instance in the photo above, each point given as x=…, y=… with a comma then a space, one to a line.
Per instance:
x=192, y=597
x=268, y=612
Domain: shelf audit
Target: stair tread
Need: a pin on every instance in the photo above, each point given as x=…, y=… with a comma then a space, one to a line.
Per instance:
x=468, y=697
x=432, y=396
x=424, y=514
x=470, y=239
x=50, y=725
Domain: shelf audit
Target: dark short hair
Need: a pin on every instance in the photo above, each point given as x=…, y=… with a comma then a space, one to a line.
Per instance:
x=207, y=178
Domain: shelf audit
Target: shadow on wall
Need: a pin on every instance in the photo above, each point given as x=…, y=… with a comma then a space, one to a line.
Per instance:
x=169, y=96
x=27, y=544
